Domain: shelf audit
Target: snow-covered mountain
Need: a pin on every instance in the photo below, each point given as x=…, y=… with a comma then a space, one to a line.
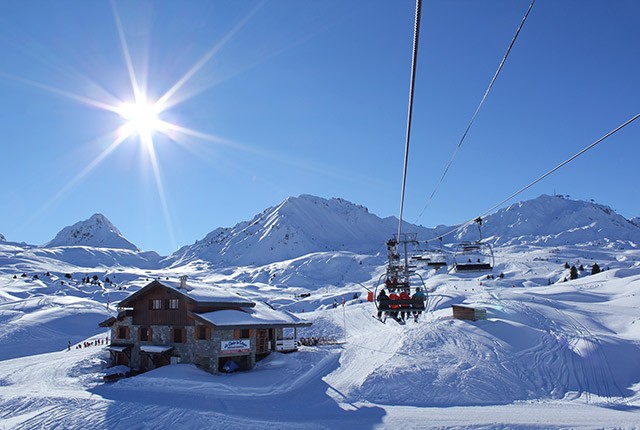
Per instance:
x=306, y=224
x=298, y=226
x=2, y=238
x=556, y=220
x=96, y=232
x=546, y=346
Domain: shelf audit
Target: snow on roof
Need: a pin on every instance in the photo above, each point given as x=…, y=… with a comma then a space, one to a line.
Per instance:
x=202, y=292
x=260, y=315
x=155, y=349
x=117, y=348
x=199, y=292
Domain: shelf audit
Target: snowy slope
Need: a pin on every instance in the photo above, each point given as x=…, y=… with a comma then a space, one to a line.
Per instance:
x=298, y=226
x=559, y=356
x=97, y=232
x=556, y=220
x=552, y=354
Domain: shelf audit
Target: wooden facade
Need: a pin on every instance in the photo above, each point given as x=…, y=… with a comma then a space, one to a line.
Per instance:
x=153, y=308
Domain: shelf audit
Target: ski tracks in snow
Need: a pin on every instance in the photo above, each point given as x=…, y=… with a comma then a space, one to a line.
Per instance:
x=370, y=345
x=569, y=356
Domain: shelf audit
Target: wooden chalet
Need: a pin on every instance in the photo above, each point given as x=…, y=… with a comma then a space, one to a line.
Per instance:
x=166, y=323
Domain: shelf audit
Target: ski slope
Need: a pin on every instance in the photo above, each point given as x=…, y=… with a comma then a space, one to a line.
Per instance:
x=548, y=356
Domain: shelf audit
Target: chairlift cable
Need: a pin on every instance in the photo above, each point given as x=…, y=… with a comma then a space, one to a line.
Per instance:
x=475, y=114
x=567, y=161
x=526, y=187
x=414, y=58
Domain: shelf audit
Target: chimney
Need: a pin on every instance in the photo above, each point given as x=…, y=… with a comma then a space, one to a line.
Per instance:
x=183, y=282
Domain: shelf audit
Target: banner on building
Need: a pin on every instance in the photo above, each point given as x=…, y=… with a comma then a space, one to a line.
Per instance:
x=236, y=346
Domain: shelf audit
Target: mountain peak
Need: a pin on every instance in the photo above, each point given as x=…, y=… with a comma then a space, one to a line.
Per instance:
x=96, y=231
x=295, y=227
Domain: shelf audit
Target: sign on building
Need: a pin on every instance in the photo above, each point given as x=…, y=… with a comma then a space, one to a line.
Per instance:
x=236, y=346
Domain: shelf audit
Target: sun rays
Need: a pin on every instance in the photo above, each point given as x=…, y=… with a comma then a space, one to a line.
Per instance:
x=141, y=117
x=146, y=115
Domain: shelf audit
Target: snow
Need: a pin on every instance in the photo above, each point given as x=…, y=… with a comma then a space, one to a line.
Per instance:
x=261, y=314
x=203, y=292
x=551, y=354
x=155, y=349
x=294, y=228
x=97, y=232
x=116, y=348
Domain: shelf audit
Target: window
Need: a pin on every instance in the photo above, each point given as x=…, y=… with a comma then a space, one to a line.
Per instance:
x=155, y=304
x=145, y=333
x=123, y=332
x=172, y=304
x=178, y=335
x=202, y=332
x=242, y=334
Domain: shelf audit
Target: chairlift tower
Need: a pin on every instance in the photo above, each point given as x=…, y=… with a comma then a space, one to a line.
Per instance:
x=398, y=255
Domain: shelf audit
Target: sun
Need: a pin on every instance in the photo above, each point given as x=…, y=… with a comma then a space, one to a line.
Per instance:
x=141, y=118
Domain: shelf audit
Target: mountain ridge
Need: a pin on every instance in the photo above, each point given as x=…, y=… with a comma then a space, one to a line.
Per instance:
x=307, y=224
x=296, y=226
x=555, y=220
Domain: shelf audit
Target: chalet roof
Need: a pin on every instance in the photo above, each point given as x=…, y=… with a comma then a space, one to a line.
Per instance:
x=262, y=315
x=111, y=320
x=108, y=322
x=201, y=293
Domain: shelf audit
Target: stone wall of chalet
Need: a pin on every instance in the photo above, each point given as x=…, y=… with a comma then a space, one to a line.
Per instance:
x=204, y=353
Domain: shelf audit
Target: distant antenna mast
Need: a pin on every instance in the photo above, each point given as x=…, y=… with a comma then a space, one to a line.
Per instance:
x=416, y=33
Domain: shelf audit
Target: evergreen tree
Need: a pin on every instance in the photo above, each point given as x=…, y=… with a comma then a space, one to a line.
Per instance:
x=595, y=269
x=573, y=274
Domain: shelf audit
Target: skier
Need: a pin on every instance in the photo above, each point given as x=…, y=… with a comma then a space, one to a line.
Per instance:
x=420, y=296
x=404, y=295
x=394, y=308
x=382, y=305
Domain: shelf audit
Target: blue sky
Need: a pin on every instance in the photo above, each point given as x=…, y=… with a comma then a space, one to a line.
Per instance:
x=282, y=98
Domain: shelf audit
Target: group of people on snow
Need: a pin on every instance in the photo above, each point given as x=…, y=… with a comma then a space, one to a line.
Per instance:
x=410, y=304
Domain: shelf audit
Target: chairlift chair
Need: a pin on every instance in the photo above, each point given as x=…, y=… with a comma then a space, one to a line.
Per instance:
x=473, y=257
x=400, y=276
